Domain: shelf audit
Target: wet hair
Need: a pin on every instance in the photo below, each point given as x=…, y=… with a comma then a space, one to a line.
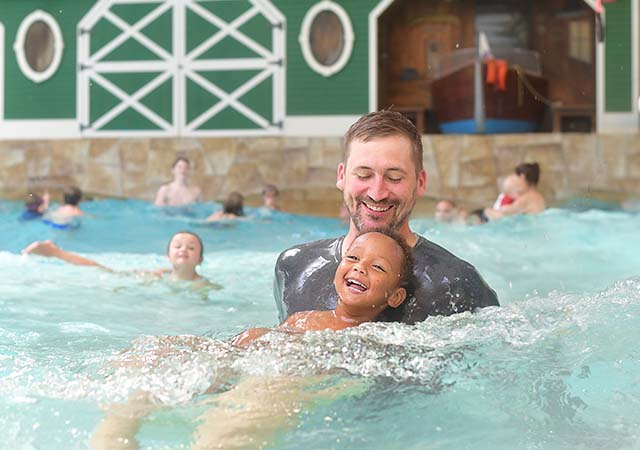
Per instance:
x=189, y=233
x=33, y=202
x=385, y=123
x=181, y=158
x=406, y=268
x=531, y=172
x=447, y=200
x=72, y=195
x=270, y=189
x=233, y=204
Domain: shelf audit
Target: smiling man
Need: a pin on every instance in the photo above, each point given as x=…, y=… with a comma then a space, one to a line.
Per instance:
x=381, y=177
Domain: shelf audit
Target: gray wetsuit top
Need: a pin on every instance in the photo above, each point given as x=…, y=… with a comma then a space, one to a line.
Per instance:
x=443, y=285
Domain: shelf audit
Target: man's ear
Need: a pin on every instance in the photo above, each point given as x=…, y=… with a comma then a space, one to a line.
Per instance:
x=397, y=298
x=340, y=176
x=421, y=188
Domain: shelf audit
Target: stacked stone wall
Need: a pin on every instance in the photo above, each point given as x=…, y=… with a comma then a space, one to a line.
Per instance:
x=468, y=169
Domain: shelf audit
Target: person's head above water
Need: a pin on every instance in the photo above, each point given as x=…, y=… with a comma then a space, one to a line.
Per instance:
x=33, y=202
x=234, y=204
x=185, y=250
x=270, y=196
x=180, y=168
x=374, y=273
x=381, y=175
x=72, y=195
x=530, y=172
x=445, y=211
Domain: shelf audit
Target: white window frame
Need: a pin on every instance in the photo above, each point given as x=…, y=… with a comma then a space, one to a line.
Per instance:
x=58, y=46
x=305, y=32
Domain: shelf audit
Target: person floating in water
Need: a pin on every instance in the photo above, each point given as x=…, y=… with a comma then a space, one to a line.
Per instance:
x=528, y=201
x=232, y=208
x=374, y=274
x=35, y=206
x=178, y=192
x=184, y=252
x=66, y=215
x=381, y=176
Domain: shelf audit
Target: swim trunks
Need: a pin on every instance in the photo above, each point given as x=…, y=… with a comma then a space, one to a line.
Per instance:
x=30, y=215
x=444, y=283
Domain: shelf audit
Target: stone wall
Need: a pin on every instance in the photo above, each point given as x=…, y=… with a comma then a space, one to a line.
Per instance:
x=466, y=168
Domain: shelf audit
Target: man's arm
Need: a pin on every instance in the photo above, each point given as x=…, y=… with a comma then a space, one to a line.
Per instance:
x=278, y=289
x=160, y=196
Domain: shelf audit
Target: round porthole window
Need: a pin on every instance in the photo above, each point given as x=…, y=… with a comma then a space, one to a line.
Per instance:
x=39, y=46
x=326, y=38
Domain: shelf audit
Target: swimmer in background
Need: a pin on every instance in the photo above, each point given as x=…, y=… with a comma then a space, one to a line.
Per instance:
x=529, y=200
x=270, y=195
x=232, y=208
x=178, y=192
x=448, y=212
x=374, y=274
x=64, y=216
x=35, y=206
x=184, y=253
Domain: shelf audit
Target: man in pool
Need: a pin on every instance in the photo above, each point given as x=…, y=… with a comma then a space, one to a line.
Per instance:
x=178, y=192
x=374, y=275
x=184, y=253
x=381, y=177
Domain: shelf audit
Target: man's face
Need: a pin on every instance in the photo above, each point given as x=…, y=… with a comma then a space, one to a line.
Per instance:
x=379, y=182
x=445, y=211
x=181, y=170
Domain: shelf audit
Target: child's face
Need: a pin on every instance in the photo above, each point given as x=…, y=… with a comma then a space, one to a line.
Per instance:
x=368, y=276
x=513, y=186
x=184, y=251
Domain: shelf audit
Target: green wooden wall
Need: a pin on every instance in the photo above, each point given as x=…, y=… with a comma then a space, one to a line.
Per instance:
x=346, y=92
x=618, y=68
x=54, y=98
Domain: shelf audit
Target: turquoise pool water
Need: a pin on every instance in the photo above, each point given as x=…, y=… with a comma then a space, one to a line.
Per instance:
x=556, y=367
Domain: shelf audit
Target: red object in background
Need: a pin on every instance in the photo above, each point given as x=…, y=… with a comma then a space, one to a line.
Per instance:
x=497, y=73
x=506, y=200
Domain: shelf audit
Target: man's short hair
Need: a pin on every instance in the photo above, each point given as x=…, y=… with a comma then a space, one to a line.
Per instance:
x=385, y=123
x=181, y=158
x=531, y=172
x=72, y=195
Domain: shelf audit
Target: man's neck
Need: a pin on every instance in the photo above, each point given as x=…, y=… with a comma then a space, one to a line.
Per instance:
x=403, y=230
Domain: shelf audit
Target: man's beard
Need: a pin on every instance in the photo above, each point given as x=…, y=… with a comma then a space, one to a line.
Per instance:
x=360, y=210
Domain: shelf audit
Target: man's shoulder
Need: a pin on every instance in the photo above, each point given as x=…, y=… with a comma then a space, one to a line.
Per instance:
x=322, y=247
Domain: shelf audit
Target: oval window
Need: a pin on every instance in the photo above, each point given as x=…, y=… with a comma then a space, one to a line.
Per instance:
x=326, y=38
x=39, y=46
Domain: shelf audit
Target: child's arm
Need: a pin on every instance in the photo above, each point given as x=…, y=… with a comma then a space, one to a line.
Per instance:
x=247, y=337
x=51, y=250
x=295, y=323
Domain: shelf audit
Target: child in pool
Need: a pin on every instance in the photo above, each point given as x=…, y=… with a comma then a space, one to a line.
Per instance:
x=35, y=206
x=184, y=252
x=374, y=274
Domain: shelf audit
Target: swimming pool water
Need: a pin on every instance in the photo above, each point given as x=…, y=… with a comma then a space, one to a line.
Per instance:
x=556, y=367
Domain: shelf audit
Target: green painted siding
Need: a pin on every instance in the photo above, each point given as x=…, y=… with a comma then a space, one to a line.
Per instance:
x=618, y=69
x=346, y=92
x=54, y=98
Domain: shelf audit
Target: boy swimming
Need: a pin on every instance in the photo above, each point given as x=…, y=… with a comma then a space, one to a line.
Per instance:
x=184, y=253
